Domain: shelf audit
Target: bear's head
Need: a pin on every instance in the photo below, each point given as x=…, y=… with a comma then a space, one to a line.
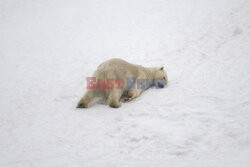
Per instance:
x=160, y=78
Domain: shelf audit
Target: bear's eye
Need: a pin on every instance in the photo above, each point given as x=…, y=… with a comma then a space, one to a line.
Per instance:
x=164, y=78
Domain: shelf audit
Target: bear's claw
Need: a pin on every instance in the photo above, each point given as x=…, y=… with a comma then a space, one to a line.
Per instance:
x=128, y=99
x=82, y=105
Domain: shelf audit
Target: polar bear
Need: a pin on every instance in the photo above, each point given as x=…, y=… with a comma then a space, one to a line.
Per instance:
x=117, y=78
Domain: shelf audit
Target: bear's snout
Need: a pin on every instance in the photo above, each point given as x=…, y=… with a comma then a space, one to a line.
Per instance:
x=160, y=85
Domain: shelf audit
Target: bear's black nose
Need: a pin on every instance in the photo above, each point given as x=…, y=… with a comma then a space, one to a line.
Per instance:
x=160, y=85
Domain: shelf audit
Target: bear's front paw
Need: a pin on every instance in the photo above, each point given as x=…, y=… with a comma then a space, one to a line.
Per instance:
x=127, y=99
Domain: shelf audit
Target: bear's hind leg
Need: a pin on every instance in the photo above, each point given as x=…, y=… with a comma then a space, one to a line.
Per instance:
x=114, y=97
x=86, y=99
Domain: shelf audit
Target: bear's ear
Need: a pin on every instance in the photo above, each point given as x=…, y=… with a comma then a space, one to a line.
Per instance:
x=162, y=68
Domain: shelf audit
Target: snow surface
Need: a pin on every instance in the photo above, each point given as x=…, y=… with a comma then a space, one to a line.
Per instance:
x=49, y=47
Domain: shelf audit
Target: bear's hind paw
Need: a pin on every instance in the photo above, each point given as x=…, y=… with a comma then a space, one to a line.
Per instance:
x=82, y=105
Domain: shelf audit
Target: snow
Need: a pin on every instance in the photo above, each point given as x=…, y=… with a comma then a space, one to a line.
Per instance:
x=48, y=48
